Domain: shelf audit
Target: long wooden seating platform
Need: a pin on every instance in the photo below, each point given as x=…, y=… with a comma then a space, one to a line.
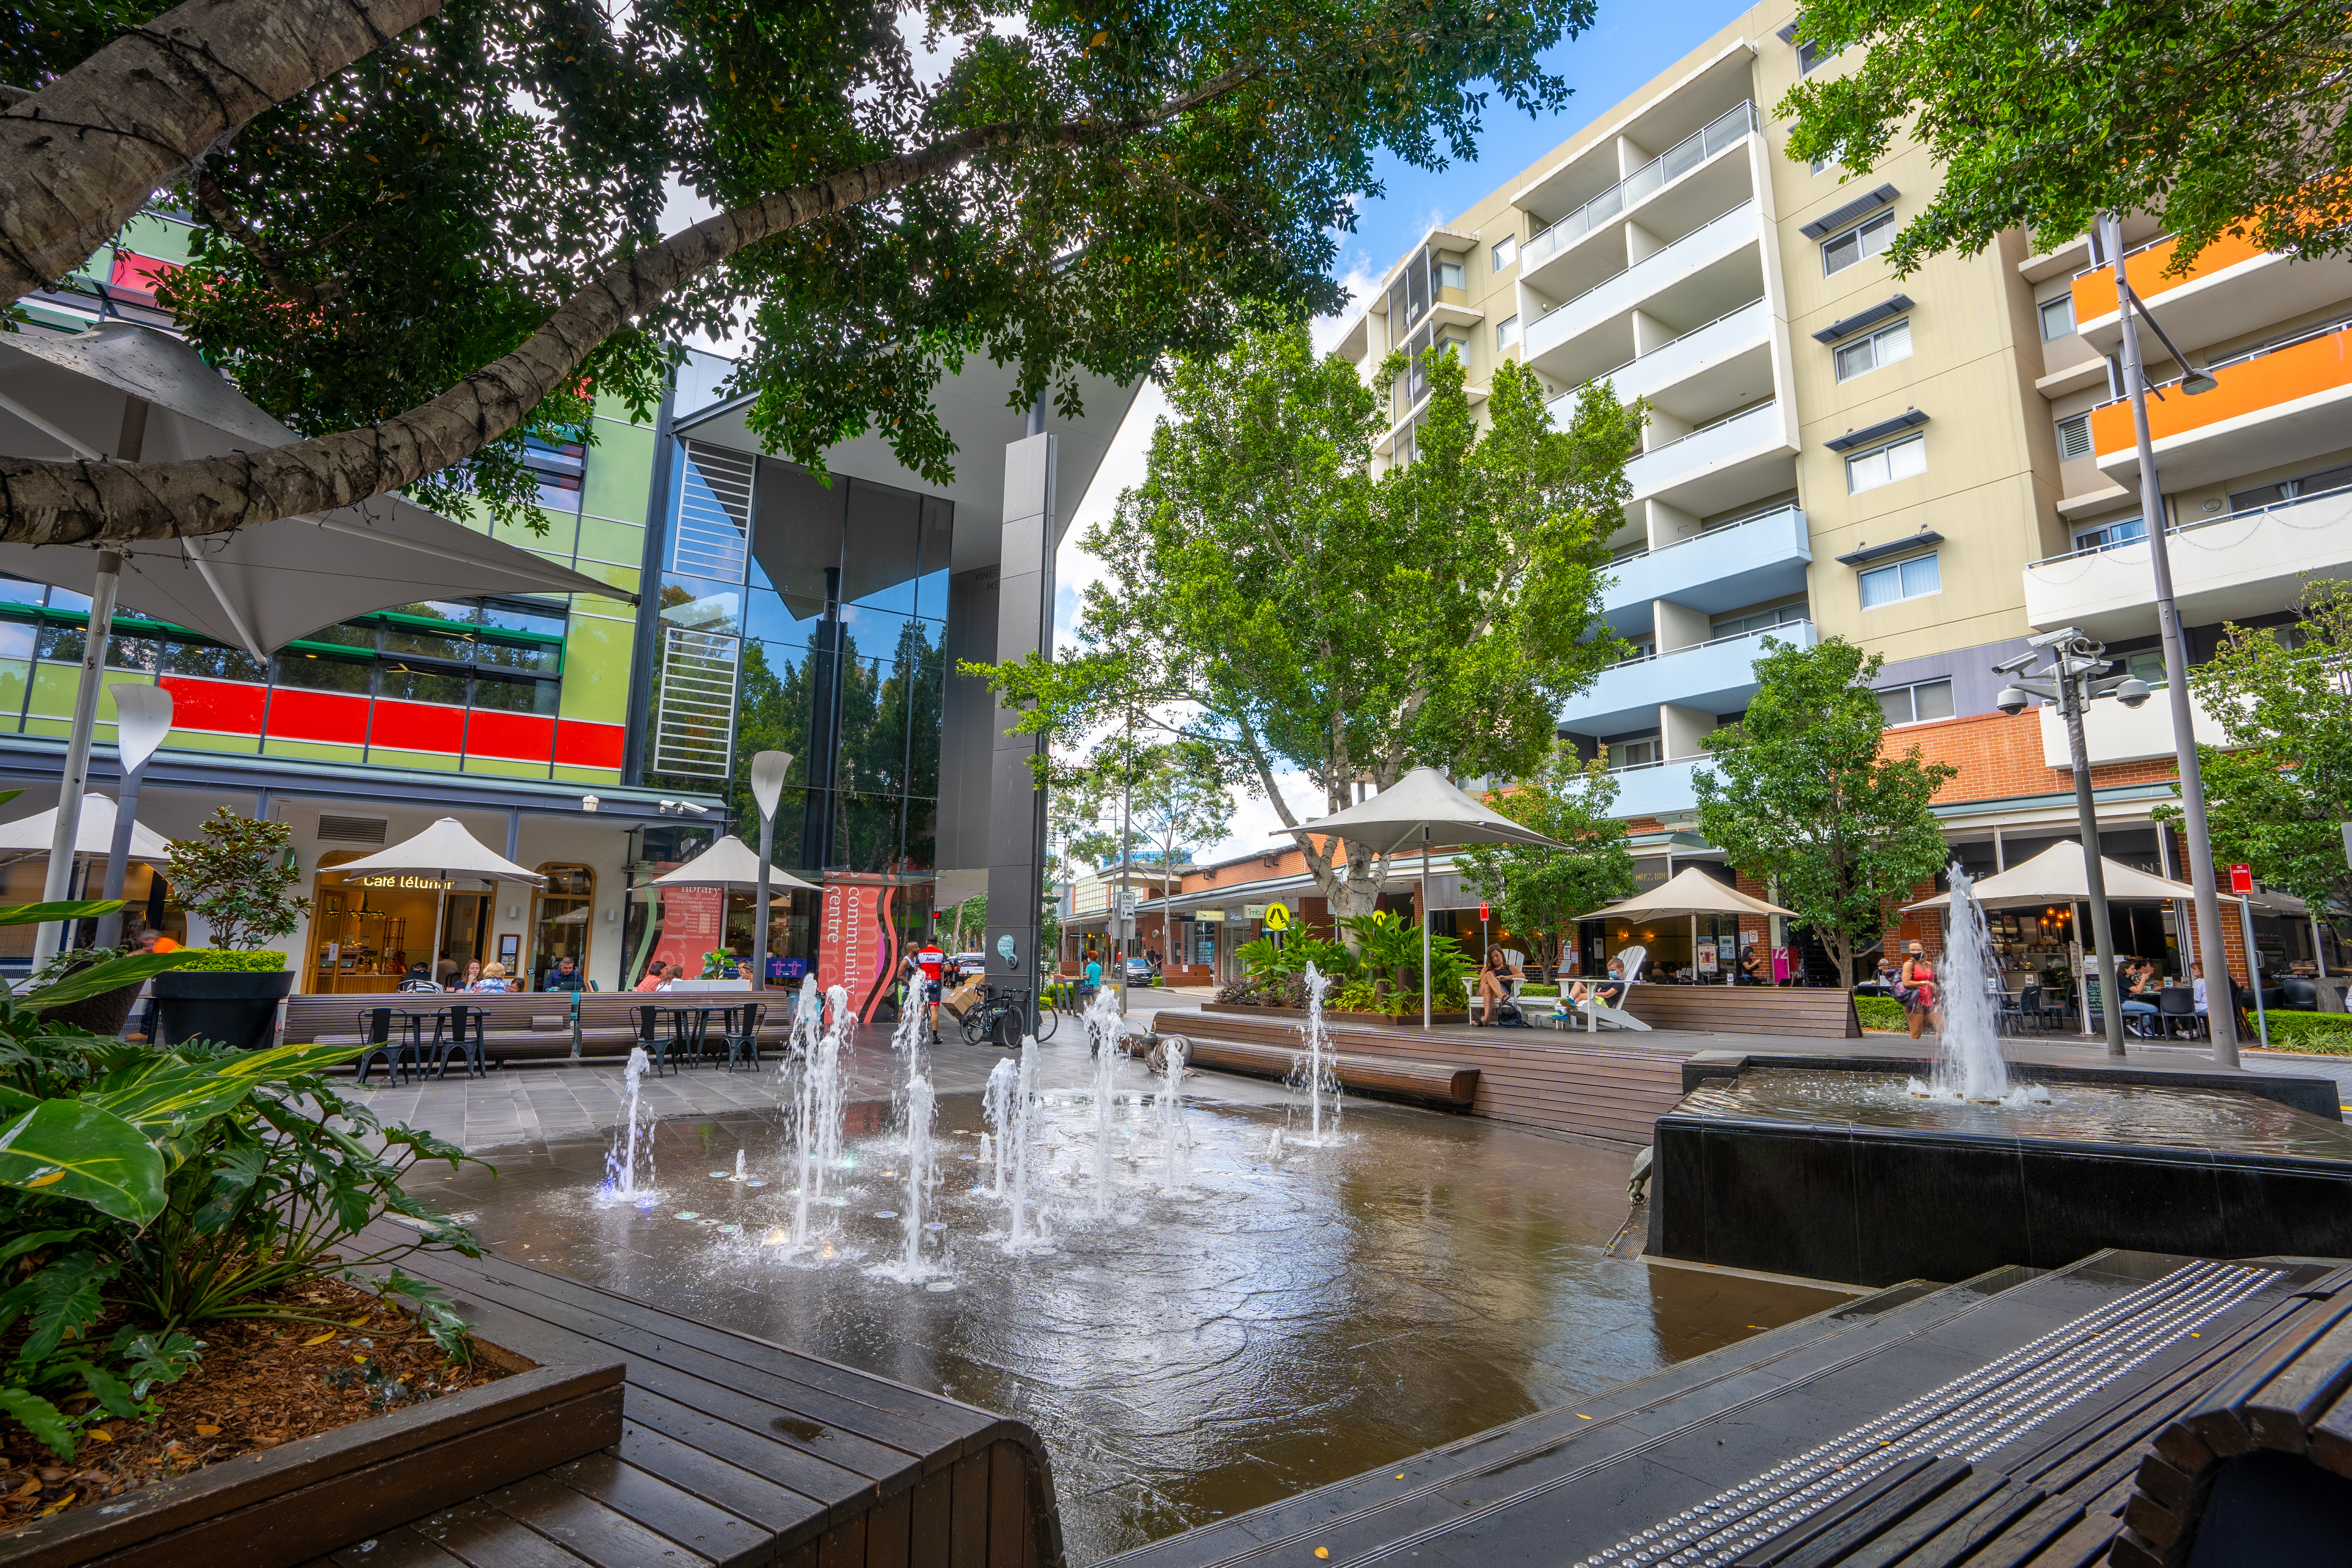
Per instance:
x=531, y=1026
x=1534, y=1078
x=1433, y=1083
x=734, y=1451
x=1794, y=1012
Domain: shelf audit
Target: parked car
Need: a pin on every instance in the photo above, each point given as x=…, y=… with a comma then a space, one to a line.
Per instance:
x=964, y=965
x=1140, y=971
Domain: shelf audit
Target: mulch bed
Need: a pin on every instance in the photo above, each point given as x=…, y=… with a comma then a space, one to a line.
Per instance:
x=261, y=1383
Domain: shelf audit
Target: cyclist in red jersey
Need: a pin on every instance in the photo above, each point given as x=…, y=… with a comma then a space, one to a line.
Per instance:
x=931, y=964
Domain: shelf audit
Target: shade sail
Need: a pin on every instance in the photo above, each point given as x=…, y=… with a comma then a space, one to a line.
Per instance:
x=1422, y=810
x=729, y=863
x=445, y=849
x=1690, y=891
x=261, y=586
x=2060, y=873
x=93, y=834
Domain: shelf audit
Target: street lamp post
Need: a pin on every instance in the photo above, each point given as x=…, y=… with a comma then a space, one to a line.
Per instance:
x=2071, y=681
x=2200, y=846
x=768, y=771
x=142, y=720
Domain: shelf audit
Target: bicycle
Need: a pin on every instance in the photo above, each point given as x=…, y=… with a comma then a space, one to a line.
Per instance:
x=980, y=1024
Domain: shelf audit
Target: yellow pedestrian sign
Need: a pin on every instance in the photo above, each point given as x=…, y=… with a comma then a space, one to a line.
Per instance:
x=1277, y=917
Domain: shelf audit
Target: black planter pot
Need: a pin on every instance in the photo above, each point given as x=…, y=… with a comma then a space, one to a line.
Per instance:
x=228, y=1007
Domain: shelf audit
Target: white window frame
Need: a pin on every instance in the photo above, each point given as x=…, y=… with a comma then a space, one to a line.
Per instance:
x=1506, y=335
x=1879, y=359
x=2042, y=312
x=1896, y=569
x=1453, y=275
x=1507, y=250
x=1880, y=223
x=1811, y=58
x=1887, y=450
x=2072, y=428
x=1910, y=692
x=2104, y=537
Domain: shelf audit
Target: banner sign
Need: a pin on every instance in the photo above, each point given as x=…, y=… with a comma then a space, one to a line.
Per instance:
x=857, y=941
x=692, y=919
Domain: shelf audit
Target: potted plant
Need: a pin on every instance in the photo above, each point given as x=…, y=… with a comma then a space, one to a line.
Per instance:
x=235, y=874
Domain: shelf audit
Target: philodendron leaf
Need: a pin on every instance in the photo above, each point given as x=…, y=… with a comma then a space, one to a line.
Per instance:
x=65, y=910
x=101, y=977
x=41, y=1418
x=175, y=1090
x=66, y=1149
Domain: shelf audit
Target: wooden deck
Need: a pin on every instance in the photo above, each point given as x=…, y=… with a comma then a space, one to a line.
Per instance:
x=1787, y=1012
x=1530, y=1078
x=734, y=1450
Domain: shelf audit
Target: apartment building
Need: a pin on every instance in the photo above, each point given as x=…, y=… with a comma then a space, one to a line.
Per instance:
x=1932, y=466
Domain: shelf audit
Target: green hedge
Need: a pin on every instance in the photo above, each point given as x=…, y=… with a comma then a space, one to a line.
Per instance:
x=1538, y=990
x=1880, y=1013
x=260, y=958
x=2313, y=1034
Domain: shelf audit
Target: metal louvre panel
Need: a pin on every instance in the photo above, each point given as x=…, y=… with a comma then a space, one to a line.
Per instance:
x=714, y=515
x=693, y=717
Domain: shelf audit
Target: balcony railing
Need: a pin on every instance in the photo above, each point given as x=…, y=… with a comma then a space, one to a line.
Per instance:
x=1732, y=125
x=1645, y=366
x=2111, y=429
x=1621, y=289
x=2192, y=525
x=1708, y=444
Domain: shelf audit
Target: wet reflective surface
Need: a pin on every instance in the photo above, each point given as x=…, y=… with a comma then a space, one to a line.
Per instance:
x=1272, y=1324
x=2179, y=1117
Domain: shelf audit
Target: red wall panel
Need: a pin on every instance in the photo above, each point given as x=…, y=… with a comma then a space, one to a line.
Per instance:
x=224, y=705
x=579, y=744
x=523, y=737
x=318, y=716
x=417, y=726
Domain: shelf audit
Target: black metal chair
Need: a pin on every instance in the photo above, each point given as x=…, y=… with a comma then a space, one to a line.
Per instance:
x=2176, y=1006
x=2009, y=1014
x=457, y=1028
x=742, y=1038
x=375, y=1029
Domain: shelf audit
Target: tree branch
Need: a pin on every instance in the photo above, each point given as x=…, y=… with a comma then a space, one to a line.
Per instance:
x=229, y=221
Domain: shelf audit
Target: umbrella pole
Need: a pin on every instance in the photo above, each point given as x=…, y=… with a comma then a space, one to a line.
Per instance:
x=759, y=906
x=59, y=878
x=118, y=854
x=440, y=917
x=1425, y=929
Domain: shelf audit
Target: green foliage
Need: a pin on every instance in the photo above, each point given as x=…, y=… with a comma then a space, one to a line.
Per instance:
x=2314, y=1034
x=235, y=874
x=1803, y=796
x=2279, y=788
x=1268, y=600
x=1880, y=1012
x=1149, y=176
x=1389, y=944
x=2210, y=117
x=1542, y=891
x=257, y=959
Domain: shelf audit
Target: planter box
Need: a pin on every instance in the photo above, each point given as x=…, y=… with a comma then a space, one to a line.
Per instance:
x=1332, y=1015
x=293, y=1504
x=235, y=1007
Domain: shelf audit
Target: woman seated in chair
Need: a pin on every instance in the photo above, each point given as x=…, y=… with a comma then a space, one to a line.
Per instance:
x=1609, y=992
x=1495, y=981
x=2141, y=989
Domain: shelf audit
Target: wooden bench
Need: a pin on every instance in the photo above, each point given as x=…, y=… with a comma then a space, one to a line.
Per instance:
x=1431, y=1083
x=525, y=1026
x=1798, y=1011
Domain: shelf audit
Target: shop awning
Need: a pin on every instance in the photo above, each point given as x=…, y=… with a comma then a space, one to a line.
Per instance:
x=2058, y=875
x=729, y=863
x=444, y=849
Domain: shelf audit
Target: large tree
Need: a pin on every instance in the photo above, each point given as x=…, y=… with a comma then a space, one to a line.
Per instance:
x=1269, y=601
x=2279, y=790
x=1541, y=892
x=2211, y=115
x=419, y=258
x=1804, y=795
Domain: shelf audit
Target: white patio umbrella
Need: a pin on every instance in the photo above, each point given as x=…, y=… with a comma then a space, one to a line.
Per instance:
x=93, y=832
x=1422, y=810
x=442, y=851
x=126, y=393
x=1689, y=891
x=729, y=863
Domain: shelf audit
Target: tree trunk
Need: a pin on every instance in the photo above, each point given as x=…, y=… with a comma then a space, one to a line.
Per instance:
x=81, y=156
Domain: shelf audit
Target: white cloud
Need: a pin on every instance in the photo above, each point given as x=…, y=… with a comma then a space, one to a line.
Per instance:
x=1253, y=831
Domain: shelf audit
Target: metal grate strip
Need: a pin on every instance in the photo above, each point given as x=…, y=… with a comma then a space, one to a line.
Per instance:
x=714, y=515
x=694, y=715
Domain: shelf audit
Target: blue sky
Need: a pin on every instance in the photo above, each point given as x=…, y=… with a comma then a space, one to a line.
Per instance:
x=1628, y=45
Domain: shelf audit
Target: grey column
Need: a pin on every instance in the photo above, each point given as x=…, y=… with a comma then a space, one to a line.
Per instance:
x=1024, y=624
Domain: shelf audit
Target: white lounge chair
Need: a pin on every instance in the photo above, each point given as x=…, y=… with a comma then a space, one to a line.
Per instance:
x=1598, y=1013
x=1516, y=960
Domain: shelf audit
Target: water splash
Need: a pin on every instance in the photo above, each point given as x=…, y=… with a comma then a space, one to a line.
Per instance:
x=919, y=1167
x=1023, y=1232
x=1968, y=1063
x=1175, y=1138
x=1108, y=1030
x=1318, y=1072
x=996, y=1112
x=815, y=1060
x=738, y=1164
x=621, y=1164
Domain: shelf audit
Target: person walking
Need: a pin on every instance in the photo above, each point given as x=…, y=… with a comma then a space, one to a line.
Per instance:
x=1915, y=986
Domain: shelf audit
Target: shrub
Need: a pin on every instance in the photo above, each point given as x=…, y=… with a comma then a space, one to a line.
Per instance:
x=1880, y=1013
x=255, y=959
x=2314, y=1034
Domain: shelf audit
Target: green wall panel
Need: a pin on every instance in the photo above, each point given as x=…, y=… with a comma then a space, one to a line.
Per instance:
x=624, y=577
x=619, y=544
x=191, y=741
x=619, y=471
x=427, y=762
x=312, y=750
x=611, y=776
x=504, y=769
x=596, y=670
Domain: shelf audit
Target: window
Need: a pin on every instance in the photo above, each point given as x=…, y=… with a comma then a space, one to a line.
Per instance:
x=1506, y=333
x=560, y=920
x=2302, y=489
x=1822, y=165
x=1640, y=753
x=1882, y=347
x=1813, y=56
x=403, y=684
x=558, y=470
x=2075, y=438
x=1904, y=580
x=1794, y=613
x=1918, y=703
x=1884, y=465
x=2147, y=664
x=2057, y=317
x=316, y=672
x=2108, y=535
x=1453, y=275
x=1507, y=250
x=514, y=695
x=1867, y=239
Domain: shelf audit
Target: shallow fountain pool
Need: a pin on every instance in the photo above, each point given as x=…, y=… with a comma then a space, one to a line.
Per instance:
x=1254, y=1323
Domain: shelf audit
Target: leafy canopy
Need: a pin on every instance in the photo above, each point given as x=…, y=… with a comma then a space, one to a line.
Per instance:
x=1803, y=794
x=1120, y=182
x=2279, y=790
x=1542, y=891
x=1270, y=602
x=2213, y=116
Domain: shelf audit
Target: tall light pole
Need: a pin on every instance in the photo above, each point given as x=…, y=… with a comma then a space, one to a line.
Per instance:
x=2219, y=1013
x=142, y=718
x=2075, y=663
x=768, y=770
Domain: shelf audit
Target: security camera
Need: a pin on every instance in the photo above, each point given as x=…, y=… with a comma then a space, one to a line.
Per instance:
x=2051, y=639
x=2012, y=700
x=2012, y=665
x=2132, y=693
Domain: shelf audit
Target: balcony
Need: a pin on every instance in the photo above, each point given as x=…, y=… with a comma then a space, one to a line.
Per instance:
x=1655, y=789
x=2275, y=405
x=1718, y=466
x=2115, y=733
x=2230, y=568
x=2231, y=289
x=1720, y=258
x=1717, y=676
x=1745, y=563
x=1740, y=342
x=1671, y=168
